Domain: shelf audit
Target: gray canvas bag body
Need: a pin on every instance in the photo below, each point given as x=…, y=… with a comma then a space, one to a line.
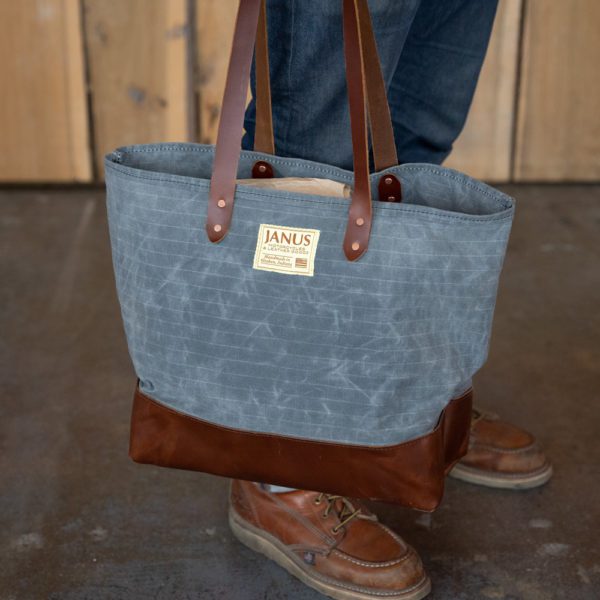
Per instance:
x=289, y=359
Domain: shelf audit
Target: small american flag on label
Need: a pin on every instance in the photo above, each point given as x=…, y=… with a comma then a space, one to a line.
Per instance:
x=301, y=263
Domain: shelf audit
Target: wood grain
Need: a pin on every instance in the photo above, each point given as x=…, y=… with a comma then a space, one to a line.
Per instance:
x=215, y=20
x=43, y=104
x=484, y=147
x=140, y=76
x=558, y=132
x=138, y=72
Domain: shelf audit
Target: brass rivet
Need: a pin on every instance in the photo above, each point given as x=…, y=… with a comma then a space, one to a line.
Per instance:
x=217, y=228
x=391, y=198
x=355, y=246
x=221, y=203
x=262, y=168
x=360, y=221
x=388, y=180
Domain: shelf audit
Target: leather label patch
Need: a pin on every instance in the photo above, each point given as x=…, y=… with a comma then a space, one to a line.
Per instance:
x=288, y=250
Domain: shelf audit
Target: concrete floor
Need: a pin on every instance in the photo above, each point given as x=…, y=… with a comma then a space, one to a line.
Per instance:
x=79, y=520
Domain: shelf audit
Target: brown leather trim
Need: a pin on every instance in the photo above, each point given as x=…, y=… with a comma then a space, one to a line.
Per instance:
x=389, y=188
x=411, y=473
x=262, y=170
x=229, y=134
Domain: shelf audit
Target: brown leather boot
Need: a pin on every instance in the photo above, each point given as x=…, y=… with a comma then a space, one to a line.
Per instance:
x=332, y=544
x=502, y=455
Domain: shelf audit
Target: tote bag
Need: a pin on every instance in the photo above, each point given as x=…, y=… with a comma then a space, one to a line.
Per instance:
x=310, y=341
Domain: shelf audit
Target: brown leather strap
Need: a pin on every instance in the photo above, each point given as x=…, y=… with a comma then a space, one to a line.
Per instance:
x=228, y=146
x=229, y=136
x=263, y=135
x=382, y=132
x=358, y=229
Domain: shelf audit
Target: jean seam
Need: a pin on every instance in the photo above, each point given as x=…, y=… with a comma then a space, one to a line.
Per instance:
x=289, y=97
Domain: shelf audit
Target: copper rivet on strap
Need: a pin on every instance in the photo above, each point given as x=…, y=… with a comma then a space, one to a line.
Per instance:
x=262, y=168
x=217, y=228
x=355, y=246
x=221, y=203
x=388, y=180
x=360, y=221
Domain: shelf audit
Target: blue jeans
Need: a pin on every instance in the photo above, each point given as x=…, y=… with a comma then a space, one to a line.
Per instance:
x=431, y=53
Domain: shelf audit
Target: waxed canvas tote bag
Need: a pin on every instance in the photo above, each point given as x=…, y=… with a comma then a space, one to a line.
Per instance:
x=306, y=340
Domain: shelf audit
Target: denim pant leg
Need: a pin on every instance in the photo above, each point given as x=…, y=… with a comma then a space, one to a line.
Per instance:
x=431, y=53
x=433, y=86
x=308, y=82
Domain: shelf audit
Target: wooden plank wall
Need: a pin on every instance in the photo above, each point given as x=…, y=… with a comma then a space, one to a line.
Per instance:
x=43, y=106
x=215, y=20
x=81, y=77
x=484, y=148
x=558, y=121
x=137, y=72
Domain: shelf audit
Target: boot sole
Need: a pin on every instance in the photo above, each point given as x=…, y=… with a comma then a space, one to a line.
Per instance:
x=268, y=545
x=507, y=482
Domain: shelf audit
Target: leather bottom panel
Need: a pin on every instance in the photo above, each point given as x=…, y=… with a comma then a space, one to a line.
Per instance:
x=411, y=473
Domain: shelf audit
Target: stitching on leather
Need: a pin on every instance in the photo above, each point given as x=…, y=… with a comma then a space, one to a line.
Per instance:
x=301, y=440
x=374, y=565
x=368, y=565
x=359, y=588
x=324, y=578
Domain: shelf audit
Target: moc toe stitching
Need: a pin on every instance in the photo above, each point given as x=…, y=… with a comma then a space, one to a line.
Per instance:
x=372, y=565
x=378, y=564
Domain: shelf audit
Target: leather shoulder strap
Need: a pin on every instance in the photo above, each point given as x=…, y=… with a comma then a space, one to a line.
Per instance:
x=358, y=229
x=229, y=135
x=263, y=135
x=228, y=146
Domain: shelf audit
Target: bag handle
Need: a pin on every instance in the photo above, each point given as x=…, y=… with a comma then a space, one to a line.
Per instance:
x=382, y=132
x=228, y=146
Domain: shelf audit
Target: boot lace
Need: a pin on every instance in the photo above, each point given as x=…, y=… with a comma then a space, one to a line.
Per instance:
x=345, y=513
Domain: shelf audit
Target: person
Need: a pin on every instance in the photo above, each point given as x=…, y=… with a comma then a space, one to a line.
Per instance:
x=431, y=52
